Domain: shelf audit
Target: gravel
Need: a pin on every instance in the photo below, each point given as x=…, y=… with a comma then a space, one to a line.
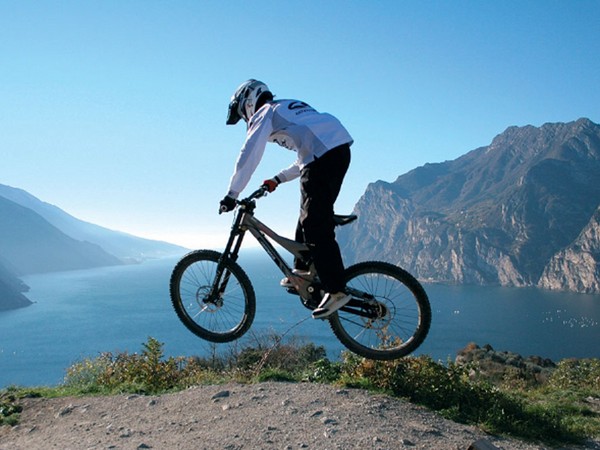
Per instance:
x=270, y=415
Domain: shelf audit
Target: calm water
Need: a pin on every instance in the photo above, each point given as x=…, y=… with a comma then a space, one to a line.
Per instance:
x=84, y=313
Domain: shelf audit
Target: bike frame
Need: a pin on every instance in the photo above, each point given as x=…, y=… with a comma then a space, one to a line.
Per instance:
x=307, y=287
x=246, y=221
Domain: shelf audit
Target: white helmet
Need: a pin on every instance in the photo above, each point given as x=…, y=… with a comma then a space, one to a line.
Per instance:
x=244, y=100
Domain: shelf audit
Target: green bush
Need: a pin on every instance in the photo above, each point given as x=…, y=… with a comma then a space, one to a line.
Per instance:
x=275, y=375
x=270, y=353
x=149, y=372
x=146, y=373
x=9, y=408
x=583, y=374
x=323, y=371
x=449, y=390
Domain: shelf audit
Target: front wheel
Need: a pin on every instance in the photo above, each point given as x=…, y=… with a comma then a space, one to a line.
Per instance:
x=220, y=315
x=389, y=314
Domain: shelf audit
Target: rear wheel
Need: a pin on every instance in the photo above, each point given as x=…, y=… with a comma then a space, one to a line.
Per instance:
x=222, y=317
x=389, y=314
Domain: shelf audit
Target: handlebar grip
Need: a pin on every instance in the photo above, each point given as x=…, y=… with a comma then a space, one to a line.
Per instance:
x=260, y=192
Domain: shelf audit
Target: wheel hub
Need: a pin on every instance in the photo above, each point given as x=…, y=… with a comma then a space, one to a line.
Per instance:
x=208, y=302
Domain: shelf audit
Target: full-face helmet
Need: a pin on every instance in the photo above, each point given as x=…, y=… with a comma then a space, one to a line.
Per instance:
x=245, y=99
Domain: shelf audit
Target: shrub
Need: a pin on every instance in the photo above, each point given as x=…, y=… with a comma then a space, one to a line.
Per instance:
x=9, y=408
x=581, y=374
x=145, y=373
x=275, y=375
x=149, y=372
x=449, y=390
x=269, y=352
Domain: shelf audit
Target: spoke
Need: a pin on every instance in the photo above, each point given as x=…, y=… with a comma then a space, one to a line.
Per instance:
x=196, y=282
x=201, y=311
x=401, y=319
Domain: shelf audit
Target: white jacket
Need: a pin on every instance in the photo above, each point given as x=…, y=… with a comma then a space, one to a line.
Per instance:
x=291, y=124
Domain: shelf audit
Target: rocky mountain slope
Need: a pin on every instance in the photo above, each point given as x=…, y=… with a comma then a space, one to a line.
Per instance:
x=518, y=212
x=576, y=267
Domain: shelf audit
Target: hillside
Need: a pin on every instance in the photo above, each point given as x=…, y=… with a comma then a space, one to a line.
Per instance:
x=11, y=290
x=29, y=244
x=511, y=213
x=37, y=237
x=32, y=245
x=576, y=267
x=122, y=245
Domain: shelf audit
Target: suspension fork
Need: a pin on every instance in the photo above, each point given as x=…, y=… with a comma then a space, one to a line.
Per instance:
x=230, y=253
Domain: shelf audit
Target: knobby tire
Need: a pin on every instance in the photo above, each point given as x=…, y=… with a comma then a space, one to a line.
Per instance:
x=407, y=317
x=223, y=320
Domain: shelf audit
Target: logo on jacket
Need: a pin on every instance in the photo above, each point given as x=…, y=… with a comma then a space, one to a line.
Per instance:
x=302, y=107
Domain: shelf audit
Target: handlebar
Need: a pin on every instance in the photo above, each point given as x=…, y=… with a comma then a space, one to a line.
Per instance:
x=260, y=192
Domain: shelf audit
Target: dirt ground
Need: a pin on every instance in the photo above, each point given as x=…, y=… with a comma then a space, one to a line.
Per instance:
x=269, y=415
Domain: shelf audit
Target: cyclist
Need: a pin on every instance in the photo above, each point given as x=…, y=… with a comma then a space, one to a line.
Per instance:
x=322, y=145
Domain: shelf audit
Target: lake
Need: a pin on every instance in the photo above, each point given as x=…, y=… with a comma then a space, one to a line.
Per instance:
x=81, y=314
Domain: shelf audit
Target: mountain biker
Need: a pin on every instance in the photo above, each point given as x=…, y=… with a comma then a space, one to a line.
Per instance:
x=322, y=145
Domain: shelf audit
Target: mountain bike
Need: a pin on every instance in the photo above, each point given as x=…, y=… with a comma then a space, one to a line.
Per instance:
x=388, y=316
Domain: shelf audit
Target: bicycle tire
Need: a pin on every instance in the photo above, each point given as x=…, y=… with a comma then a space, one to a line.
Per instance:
x=191, y=282
x=403, y=323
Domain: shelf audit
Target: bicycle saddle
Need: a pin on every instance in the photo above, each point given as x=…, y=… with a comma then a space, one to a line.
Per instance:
x=344, y=220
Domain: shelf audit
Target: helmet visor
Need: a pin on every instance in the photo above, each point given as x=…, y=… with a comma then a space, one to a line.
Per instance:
x=233, y=116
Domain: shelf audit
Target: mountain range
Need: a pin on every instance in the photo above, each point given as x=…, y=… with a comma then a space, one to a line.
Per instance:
x=522, y=211
x=36, y=237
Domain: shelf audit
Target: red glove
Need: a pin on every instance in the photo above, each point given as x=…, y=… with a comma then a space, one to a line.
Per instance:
x=271, y=184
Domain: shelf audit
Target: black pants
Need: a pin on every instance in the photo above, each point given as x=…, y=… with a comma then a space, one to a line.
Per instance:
x=320, y=184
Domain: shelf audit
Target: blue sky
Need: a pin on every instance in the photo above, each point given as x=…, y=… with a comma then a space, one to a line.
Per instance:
x=115, y=110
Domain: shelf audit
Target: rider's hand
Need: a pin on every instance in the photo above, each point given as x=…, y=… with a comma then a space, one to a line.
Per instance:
x=271, y=184
x=227, y=204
